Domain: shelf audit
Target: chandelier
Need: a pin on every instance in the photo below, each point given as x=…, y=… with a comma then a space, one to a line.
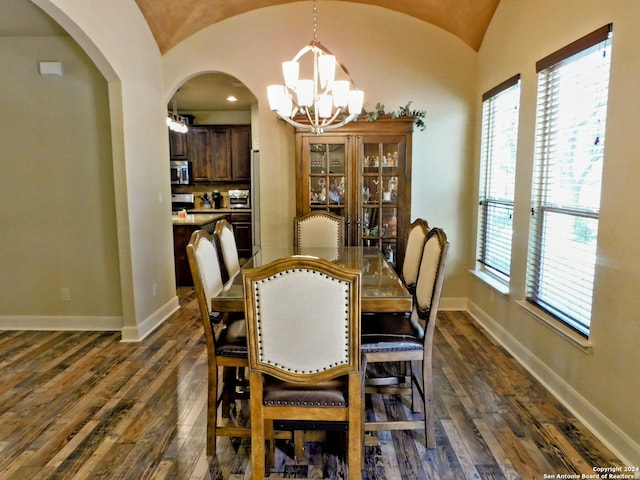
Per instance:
x=321, y=102
x=175, y=122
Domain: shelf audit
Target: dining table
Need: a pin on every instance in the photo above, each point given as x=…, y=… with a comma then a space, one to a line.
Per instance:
x=381, y=289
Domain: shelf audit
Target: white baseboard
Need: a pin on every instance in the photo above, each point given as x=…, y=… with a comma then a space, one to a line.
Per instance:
x=61, y=322
x=92, y=323
x=607, y=432
x=138, y=332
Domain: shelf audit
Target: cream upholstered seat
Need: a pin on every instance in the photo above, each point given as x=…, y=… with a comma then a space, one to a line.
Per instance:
x=226, y=339
x=318, y=229
x=397, y=338
x=415, y=238
x=226, y=242
x=304, y=351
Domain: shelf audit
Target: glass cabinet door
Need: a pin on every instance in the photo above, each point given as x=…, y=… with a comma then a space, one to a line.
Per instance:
x=381, y=165
x=326, y=175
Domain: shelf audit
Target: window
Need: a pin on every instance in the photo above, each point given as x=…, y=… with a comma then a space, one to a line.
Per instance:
x=497, y=177
x=573, y=85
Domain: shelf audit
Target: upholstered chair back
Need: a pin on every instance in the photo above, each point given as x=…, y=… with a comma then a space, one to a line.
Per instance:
x=205, y=269
x=228, y=248
x=319, y=229
x=303, y=318
x=416, y=236
x=431, y=273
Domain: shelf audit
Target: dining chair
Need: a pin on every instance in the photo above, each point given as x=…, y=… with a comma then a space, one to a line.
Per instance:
x=304, y=352
x=226, y=242
x=415, y=238
x=396, y=338
x=226, y=338
x=318, y=229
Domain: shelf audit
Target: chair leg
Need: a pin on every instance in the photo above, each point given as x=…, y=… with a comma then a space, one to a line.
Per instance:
x=229, y=379
x=298, y=444
x=355, y=437
x=257, y=427
x=429, y=410
x=271, y=441
x=417, y=402
x=212, y=410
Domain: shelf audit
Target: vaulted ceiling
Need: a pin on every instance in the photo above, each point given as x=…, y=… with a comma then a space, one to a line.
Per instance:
x=172, y=21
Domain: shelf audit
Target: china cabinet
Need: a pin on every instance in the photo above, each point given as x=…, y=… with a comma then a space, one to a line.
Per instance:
x=361, y=171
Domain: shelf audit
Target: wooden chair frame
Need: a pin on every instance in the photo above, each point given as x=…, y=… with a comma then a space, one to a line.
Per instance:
x=295, y=368
x=417, y=353
x=216, y=330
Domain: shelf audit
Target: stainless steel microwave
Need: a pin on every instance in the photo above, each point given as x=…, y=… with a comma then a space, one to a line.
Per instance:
x=180, y=172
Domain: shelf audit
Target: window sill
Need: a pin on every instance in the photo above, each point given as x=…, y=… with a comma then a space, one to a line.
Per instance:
x=565, y=332
x=494, y=283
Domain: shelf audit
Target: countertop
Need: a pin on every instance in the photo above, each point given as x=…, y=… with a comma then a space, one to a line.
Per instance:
x=198, y=218
x=219, y=210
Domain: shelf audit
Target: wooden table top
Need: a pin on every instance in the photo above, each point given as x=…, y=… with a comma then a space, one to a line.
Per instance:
x=381, y=288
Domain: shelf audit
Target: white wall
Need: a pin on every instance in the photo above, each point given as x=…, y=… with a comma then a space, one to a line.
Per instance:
x=600, y=385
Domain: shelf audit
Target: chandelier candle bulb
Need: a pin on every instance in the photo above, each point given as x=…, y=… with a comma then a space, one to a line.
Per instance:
x=340, y=91
x=305, y=93
x=356, y=101
x=290, y=72
x=327, y=69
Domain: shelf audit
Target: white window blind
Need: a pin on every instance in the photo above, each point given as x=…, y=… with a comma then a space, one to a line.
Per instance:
x=573, y=87
x=500, y=107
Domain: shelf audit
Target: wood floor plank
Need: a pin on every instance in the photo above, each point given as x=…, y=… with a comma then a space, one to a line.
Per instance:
x=86, y=406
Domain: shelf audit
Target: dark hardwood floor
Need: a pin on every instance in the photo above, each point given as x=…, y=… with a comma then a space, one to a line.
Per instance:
x=79, y=405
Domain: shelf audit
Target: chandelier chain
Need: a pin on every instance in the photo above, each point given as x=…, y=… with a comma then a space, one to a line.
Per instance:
x=315, y=20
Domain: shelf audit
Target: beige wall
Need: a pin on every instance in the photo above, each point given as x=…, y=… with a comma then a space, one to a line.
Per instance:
x=57, y=195
x=599, y=385
x=395, y=59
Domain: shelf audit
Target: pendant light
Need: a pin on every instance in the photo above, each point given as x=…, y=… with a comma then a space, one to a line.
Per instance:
x=320, y=102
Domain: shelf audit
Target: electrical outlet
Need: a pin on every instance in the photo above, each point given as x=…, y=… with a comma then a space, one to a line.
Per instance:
x=65, y=294
x=155, y=290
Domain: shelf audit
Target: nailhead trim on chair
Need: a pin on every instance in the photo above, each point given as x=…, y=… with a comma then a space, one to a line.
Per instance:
x=307, y=404
x=259, y=321
x=386, y=348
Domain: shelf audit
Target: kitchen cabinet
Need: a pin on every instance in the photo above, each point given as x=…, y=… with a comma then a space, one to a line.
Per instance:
x=220, y=153
x=362, y=172
x=241, y=153
x=241, y=223
x=178, y=145
x=182, y=230
x=199, y=145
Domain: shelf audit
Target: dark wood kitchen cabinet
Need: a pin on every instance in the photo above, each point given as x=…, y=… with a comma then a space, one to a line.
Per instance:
x=362, y=172
x=241, y=153
x=178, y=149
x=200, y=153
x=220, y=153
x=209, y=152
x=241, y=223
x=181, y=237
